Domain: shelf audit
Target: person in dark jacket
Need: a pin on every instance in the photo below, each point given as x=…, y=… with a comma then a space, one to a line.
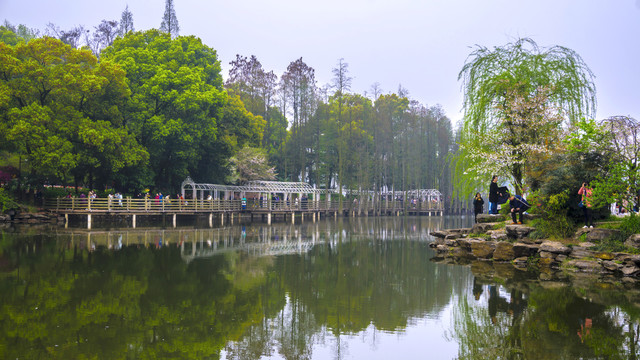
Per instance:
x=494, y=195
x=478, y=206
x=518, y=206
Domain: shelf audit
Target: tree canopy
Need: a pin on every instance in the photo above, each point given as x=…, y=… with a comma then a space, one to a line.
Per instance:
x=496, y=81
x=176, y=102
x=63, y=111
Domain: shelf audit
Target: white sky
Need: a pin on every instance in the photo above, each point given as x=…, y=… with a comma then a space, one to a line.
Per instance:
x=421, y=44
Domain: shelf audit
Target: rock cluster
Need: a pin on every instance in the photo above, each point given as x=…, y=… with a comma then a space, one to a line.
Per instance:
x=29, y=218
x=522, y=251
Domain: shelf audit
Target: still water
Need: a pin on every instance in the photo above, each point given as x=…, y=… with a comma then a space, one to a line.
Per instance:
x=363, y=288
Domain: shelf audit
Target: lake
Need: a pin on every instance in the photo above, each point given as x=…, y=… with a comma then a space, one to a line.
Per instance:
x=352, y=288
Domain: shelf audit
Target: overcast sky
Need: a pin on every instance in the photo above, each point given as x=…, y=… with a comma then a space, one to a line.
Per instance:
x=420, y=44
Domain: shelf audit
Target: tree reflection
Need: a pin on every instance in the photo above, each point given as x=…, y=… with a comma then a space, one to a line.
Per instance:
x=538, y=321
x=66, y=301
x=346, y=286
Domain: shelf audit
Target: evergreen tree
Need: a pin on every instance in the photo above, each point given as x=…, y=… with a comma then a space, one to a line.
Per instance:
x=169, y=23
x=126, y=22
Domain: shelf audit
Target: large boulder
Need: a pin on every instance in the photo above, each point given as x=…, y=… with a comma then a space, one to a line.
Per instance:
x=630, y=270
x=628, y=258
x=451, y=234
x=612, y=266
x=598, y=234
x=518, y=231
x=555, y=248
x=503, y=251
x=633, y=241
x=481, y=228
x=580, y=252
x=482, y=249
x=440, y=233
x=498, y=235
x=525, y=250
x=487, y=218
x=586, y=266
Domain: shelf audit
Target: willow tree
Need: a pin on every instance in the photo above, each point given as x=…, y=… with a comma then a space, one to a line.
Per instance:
x=496, y=81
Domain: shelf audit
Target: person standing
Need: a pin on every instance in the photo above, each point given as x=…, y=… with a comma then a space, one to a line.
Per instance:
x=494, y=195
x=586, y=193
x=478, y=206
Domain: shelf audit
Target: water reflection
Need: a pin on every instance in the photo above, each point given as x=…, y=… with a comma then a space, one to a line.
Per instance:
x=352, y=289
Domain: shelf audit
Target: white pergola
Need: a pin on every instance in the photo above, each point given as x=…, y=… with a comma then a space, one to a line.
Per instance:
x=228, y=192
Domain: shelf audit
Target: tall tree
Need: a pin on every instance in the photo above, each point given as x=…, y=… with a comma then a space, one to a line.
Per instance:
x=341, y=84
x=72, y=37
x=179, y=110
x=64, y=112
x=257, y=88
x=126, y=22
x=103, y=36
x=169, y=23
x=492, y=79
x=11, y=35
x=298, y=87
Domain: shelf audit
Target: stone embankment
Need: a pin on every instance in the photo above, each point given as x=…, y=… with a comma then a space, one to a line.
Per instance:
x=491, y=241
x=31, y=218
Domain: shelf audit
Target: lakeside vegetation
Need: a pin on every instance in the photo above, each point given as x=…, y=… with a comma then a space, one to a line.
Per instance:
x=132, y=110
x=125, y=110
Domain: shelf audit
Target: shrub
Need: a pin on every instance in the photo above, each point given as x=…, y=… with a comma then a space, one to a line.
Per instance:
x=554, y=222
x=6, y=202
x=628, y=226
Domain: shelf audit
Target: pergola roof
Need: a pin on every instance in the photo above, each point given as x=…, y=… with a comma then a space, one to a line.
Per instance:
x=256, y=187
x=281, y=187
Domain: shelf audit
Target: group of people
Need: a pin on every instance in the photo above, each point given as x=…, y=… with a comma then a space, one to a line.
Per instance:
x=519, y=205
x=500, y=195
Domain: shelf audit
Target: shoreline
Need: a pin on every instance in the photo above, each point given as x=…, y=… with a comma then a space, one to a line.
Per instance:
x=489, y=242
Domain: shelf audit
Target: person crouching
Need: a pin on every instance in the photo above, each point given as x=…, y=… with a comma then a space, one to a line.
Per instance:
x=518, y=206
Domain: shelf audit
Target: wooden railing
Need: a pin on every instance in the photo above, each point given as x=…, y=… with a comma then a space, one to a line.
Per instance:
x=129, y=205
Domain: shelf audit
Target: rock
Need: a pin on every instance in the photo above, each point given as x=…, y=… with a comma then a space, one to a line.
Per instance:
x=547, y=255
x=555, y=247
x=451, y=243
x=528, y=217
x=598, y=234
x=587, y=266
x=499, y=235
x=442, y=249
x=440, y=233
x=628, y=258
x=581, y=232
x=580, y=252
x=450, y=234
x=503, y=251
x=459, y=252
x=603, y=255
x=522, y=261
x=482, y=249
x=630, y=270
x=611, y=266
x=524, y=250
x=481, y=228
x=633, y=241
x=561, y=258
x=518, y=231
x=547, y=262
x=486, y=218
